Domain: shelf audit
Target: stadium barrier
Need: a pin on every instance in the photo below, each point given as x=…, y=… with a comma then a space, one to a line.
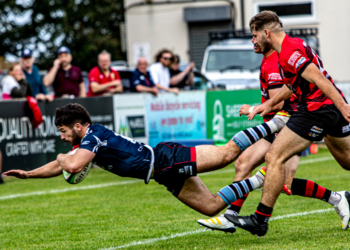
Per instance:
x=223, y=120
x=145, y=118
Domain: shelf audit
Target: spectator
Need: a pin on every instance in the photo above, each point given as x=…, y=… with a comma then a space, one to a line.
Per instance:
x=33, y=77
x=160, y=71
x=141, y=79
x=103, y=79
x=14, y=84
x=67, y=80
x=181, y=79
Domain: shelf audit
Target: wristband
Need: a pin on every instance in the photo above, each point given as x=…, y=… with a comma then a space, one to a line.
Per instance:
x=251, y=109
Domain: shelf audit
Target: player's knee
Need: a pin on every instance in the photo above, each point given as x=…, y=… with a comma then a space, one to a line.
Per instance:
x=241, y=167
x=272, y=159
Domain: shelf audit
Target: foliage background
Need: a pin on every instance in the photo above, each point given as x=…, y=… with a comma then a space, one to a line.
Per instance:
x=85, y=26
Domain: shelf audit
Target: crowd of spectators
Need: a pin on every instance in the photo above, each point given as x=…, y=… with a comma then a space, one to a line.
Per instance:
x=67, y=81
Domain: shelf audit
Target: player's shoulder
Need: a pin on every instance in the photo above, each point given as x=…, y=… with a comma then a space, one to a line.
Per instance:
x=95, y=129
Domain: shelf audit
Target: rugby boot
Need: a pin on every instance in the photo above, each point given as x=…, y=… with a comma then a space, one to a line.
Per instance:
x=249, y=223
x=219, y=223
x=343, y=208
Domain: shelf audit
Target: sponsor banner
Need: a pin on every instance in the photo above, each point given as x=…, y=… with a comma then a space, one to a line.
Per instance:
x=223, y=120
x=130, y=116
x=24, y=147
x=176, y=117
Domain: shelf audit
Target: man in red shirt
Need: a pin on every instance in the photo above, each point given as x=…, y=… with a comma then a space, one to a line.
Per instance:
x=103, y=79
x=322, y=112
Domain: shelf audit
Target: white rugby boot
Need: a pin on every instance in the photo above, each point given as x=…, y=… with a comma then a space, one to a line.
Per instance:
x=218, y=223
x=343, y=208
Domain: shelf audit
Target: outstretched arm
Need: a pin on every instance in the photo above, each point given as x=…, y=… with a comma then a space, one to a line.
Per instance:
x=314, y=75
x=269, y=105
x=51, y=169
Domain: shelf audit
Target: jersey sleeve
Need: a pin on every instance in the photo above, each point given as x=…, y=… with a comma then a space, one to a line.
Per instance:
x=274, y=79
x=297, y=61
x=92, y=141
x=94, y=76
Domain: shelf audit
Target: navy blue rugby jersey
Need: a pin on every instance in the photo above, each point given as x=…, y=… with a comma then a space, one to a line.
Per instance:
x=116, y=153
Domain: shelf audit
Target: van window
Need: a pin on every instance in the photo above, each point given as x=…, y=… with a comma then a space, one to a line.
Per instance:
x=222, y=60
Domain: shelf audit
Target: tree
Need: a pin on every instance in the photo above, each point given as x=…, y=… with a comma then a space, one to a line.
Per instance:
x=85, y=26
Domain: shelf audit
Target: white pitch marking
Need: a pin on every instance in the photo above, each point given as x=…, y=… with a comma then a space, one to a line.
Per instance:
x=172, y=236
x=64, y=190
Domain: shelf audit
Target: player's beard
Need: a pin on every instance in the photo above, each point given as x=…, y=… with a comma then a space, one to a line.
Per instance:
x=75, y=138
x=265, y=45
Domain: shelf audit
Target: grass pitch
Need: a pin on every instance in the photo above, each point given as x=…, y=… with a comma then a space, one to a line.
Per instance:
x=127, y=214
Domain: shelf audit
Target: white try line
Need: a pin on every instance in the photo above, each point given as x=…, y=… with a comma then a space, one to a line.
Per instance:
x=172, y=236
x=110, y=184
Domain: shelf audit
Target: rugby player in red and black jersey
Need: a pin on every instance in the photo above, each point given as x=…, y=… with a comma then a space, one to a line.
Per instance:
x=252, y=157
x=322, y=112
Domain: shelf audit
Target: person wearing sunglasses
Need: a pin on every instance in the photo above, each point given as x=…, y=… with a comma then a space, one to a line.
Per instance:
x=160, y=71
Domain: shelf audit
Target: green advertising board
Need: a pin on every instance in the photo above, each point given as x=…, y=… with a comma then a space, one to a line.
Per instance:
x=223, y=120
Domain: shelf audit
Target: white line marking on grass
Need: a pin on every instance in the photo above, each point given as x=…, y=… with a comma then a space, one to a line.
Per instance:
x=64, y=190
x=149, y=241
x=172, y=236
x=301, y=214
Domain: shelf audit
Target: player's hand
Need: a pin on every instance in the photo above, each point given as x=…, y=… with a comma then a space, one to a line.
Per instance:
x=262, y=109
x=244, y=110
x=345, y=111
x=21, y=174
x=57, y=63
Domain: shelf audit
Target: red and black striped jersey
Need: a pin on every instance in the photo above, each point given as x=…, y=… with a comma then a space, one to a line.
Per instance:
x=293, y=59
x=270, y=78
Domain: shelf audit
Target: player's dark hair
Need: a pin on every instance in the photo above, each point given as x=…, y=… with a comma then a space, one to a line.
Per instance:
x=265, y=18
x=160, y=54
x=71, y=114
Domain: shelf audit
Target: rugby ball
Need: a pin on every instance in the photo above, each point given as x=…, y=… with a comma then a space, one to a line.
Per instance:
x=76, y=177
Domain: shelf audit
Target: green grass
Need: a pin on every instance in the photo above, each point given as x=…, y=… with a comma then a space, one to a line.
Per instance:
x=119, y=215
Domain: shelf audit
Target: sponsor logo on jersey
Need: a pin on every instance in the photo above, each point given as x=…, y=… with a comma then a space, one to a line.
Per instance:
x=274, y=76
x=313, y=134
x=346, y=128
x=187, y=170
x=300, y=62
x=85, y=142
x=293, y=58
x=317, y=130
